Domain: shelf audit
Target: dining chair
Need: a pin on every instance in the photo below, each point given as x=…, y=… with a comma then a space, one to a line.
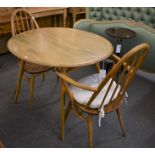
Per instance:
x=98, y=94
x=22, y=21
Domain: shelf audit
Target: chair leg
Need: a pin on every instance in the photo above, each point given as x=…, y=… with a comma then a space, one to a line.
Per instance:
x=90, y=132
x=62, y=113
x=68, y=110
x=31, y=90
x=20, y=75
x=97, y=67
x=121, y=121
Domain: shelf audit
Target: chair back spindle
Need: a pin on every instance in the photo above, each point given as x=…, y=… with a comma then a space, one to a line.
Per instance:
x=22, y=21
x=120, y=76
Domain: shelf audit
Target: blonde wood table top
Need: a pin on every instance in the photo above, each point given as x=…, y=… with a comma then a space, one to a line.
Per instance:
x=60, y=47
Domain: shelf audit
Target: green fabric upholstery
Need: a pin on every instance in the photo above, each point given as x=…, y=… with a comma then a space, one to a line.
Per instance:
x=141, y=20
x=144, y=33
x=145, y=15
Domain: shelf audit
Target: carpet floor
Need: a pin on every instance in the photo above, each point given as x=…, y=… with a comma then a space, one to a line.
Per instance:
x=39, y=128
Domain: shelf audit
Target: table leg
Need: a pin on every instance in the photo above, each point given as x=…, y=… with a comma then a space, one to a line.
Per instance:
x=64, y=17
x=62, y=96
x=74, y=18
x=20, y=76
x=55, y=21
x=60, y=21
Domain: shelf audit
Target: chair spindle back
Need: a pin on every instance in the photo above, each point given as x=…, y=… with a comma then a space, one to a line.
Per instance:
x=22, y=21
x=121, y=75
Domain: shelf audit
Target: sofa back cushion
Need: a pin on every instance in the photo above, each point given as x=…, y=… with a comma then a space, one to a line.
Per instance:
x=139, y=14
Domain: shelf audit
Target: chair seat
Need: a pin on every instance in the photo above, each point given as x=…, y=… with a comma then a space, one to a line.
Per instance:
x=33, y=68
x=82, y=96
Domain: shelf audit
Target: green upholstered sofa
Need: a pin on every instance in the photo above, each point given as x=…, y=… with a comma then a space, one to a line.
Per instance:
x=140, y=20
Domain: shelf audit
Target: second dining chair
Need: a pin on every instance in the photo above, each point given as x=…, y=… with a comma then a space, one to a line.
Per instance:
x=95, y=95
x=22, y=21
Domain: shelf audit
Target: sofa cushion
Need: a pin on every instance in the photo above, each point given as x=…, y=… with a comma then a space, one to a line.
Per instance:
x=139, y=14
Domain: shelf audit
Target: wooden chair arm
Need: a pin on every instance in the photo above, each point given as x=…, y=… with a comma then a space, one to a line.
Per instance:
x=117, y=58
x=114, y=56
x=75, y=83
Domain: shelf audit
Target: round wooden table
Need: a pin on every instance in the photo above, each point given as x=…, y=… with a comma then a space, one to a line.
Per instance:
x=60, y=47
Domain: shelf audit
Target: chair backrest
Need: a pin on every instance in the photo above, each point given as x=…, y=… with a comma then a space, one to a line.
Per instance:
x=121, y=74
x=22, y=21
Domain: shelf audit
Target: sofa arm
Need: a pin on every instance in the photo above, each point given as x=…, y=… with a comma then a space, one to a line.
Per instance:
x=83, y=24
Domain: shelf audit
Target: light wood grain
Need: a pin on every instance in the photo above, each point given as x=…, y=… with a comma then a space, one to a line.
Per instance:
x=60, y=47
x=34, y=10
x=48, y=11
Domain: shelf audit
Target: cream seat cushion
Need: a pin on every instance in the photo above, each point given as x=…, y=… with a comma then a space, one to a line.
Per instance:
x=82, y=96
